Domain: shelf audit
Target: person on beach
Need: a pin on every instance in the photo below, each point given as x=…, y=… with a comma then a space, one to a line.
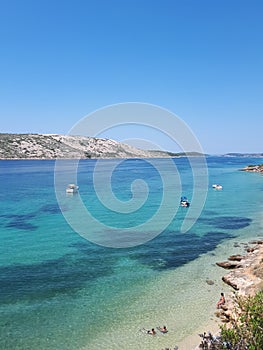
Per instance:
x=221, y=301
x=152, y=331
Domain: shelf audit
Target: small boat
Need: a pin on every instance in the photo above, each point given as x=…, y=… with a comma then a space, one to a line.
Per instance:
x=184, y=202
x=72, y=188
x=217, y=187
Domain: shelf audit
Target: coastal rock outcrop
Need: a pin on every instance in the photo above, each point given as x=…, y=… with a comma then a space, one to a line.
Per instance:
x=248, y=274
x=246, y=279
x=237, y=257
x=253, y=168
x=228, y=265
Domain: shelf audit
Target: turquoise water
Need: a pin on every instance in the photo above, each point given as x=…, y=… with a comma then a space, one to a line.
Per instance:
x=61, y=291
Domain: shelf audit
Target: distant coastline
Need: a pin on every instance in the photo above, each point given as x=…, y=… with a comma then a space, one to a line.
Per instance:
x=54, y=146
x=246, y=155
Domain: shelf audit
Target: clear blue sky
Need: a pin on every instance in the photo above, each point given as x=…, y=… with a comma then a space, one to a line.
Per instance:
x=201, y=59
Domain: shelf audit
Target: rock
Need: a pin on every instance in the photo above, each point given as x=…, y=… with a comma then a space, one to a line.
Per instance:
x=230, y=281
x=210, y=282
x=224, y=307
x=249, y=249
x=256, y=242
x=227, y=314
x=247, y=278
x=228, y=265
x=253, y=168
x=236, y=257
x=258, y=271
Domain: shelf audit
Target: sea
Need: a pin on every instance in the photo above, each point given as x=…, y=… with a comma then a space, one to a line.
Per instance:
x=68, y=278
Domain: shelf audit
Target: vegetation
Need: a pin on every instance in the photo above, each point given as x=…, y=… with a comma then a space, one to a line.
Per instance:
x=246, y=331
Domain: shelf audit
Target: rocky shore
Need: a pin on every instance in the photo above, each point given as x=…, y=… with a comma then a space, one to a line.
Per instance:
x=253, y=168
x=245, y=277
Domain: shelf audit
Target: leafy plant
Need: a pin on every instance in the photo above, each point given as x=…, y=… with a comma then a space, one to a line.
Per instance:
x=246, y=331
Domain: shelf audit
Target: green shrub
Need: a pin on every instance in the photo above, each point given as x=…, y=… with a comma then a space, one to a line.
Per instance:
x=246, y=332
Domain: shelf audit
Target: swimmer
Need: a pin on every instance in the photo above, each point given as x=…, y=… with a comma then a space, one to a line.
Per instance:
x=163, y=329
x=152, y=331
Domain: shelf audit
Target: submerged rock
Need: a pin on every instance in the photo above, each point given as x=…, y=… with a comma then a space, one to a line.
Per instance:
x=210, y=282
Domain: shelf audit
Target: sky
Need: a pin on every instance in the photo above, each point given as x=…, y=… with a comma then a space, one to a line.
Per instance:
x=202, y=60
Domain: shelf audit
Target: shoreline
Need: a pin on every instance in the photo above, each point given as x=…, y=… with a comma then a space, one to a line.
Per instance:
x=244, y=278
x=253, y=168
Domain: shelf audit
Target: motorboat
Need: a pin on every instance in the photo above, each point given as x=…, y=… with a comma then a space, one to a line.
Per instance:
x=184, y=202
x=217, y=187
x=72, y=188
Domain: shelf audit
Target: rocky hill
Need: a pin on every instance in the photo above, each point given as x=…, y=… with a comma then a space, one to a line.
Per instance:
x=52, y=146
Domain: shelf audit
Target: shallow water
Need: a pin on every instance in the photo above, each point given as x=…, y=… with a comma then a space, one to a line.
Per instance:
x=60, y=291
